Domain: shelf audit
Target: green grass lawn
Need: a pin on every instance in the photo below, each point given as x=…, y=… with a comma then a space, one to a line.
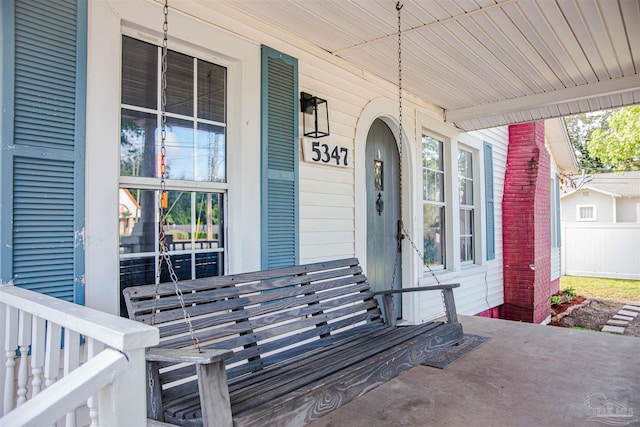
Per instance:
x=610, y=289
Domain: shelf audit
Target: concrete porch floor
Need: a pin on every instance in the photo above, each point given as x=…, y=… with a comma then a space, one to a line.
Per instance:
x=526, y=375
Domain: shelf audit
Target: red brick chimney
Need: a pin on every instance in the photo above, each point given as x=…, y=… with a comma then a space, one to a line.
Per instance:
x=526, y=226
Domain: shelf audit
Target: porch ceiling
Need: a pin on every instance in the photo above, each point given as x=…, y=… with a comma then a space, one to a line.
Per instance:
x=484, y=62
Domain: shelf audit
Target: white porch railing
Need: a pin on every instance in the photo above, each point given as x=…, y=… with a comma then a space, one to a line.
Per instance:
x=69, y=365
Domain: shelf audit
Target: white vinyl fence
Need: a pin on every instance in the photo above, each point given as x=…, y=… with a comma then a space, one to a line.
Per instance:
x=601, y=250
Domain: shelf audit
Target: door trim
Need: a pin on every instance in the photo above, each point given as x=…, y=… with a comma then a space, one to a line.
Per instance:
x=387, y=111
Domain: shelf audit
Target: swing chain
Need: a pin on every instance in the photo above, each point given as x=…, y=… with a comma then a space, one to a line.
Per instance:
x=163, y=113
x=402, y=232
x=164, y=196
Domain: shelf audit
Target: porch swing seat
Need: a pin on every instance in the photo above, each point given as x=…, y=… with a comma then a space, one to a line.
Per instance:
x=279, y=347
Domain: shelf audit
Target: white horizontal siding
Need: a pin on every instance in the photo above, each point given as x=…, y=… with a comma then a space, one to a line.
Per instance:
x=555, y=263
x=627, y=209
x=327, y=194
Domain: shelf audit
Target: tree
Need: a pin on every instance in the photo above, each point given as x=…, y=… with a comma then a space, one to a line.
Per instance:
x=619, y=144
x=580, y=128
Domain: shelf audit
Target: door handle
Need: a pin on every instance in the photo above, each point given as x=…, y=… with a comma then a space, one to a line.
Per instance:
x=379, y=204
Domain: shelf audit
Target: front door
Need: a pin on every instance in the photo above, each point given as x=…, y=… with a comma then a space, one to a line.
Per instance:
x=383, y=210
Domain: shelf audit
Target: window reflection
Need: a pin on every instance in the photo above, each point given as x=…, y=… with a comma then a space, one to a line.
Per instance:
x=210, y=153
x=137, y=144
x=433, y=201
x=378, y=175
x=180, y=148
x=433, y=235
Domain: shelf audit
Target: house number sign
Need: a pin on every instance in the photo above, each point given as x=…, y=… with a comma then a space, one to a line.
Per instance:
x=325, y=153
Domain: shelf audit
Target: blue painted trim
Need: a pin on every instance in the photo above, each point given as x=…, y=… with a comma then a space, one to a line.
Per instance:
x=267, y=53
x=80, y=149
x=264, y=134
x=7, y=10
x=556, y=183
x=490, y=222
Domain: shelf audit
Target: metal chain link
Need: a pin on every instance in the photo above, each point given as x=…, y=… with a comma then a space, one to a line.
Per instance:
x=402, y=231
x=162, y=236
x=153, y=403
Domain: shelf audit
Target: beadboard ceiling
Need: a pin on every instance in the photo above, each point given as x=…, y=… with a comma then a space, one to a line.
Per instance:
x=484, y=62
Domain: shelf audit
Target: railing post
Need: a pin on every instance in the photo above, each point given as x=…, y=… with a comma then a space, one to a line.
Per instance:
x=37, y=354
x=124, y=401
x=93, y=348
x=24, y=340
x=10, y=346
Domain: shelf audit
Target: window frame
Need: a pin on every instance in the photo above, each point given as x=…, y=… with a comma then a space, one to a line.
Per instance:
x=468, y=207
x=590, y=219
x=437, y=204
x=191, y=187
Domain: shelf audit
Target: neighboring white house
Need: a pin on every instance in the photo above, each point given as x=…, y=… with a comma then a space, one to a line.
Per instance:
x=604, y=198
x=602, y=226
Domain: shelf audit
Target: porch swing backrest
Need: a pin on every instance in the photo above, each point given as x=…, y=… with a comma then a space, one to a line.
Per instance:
x=262, y=316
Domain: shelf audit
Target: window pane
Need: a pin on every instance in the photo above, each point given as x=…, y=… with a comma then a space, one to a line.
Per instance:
x=466, y=235
x=210, y=154
x=139, y=73
x=212, y=83
x=181, y=266
x=179, y=145
x=465, y=177
x=432, y=160
x=178, y=216
x=209, y=222
x=134, y=272
x=432, y=153
x=466, y=248
x=209, y=264
x=137, y=144
x=434, y=186
x=586, y=212
x=378, y=175
x=137, y=219
x=466, y=191
x=434, y=238
x=179, y=83
x=464, y=163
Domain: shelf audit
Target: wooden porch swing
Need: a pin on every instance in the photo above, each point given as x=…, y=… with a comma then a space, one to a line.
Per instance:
x=277, y=347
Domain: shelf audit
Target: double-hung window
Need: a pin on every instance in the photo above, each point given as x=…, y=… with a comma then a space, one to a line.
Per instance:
x=196, y=97
x=465, y=191
x=433, y=205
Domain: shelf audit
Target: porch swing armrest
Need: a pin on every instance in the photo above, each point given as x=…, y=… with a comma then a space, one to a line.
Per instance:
x=212, y=382
x=447, y=293
x=187, y=355
x=418, y=289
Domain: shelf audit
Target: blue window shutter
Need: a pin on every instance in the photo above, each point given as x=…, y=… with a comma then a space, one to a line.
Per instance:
x=279, y=174
x=43, y=144
x=489, y=201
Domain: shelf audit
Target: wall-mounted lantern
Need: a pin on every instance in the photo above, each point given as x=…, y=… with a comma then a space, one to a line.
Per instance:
x=315, y=122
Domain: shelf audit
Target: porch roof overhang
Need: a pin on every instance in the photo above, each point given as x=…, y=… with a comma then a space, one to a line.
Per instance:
x=484, y=63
